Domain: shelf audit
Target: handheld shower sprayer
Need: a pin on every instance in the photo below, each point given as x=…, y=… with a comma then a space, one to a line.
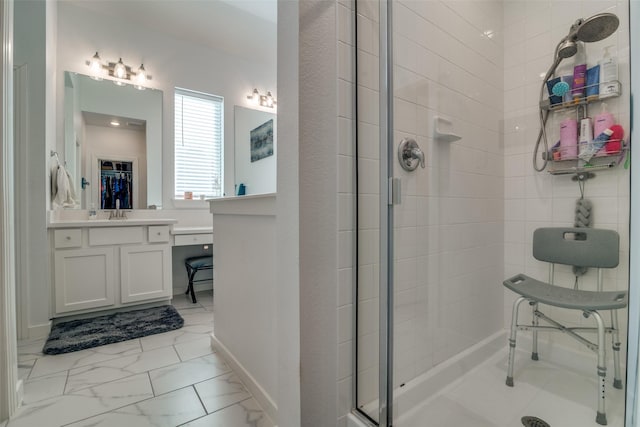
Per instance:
x=595, y=28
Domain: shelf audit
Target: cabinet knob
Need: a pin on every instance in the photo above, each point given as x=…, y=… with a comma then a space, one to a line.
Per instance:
x=159, y=233
x=68, y=237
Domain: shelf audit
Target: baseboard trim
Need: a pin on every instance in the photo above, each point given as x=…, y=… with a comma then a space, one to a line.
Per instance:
x=20, y=392
x=261, y=396
x=39, y=331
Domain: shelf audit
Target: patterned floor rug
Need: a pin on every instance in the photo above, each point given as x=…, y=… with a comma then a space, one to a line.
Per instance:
x=75, y=335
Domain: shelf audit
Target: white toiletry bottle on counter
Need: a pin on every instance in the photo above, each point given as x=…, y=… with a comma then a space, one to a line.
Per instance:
x=92, y=212
x=609, y=84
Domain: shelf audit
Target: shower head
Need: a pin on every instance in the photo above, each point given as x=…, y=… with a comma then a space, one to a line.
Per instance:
x=567, y=48
x=597, y=27
x=593, y=29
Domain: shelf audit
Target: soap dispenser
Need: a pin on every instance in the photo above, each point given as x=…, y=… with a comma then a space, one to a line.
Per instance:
x=609, y=84
x=92, y=212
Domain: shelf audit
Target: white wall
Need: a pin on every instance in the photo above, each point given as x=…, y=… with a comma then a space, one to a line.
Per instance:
x=319, y=177
x=245, y=293
x=259, y=177
x=171, y=62
x=535, y=199
x=288, y=219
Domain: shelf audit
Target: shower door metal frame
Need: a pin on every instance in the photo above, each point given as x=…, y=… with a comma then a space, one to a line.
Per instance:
x=632, y=416
x=385, y=383
x=385, y=291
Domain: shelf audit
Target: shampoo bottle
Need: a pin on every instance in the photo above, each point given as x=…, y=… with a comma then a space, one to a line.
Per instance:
x=586, y=135
x=568, y=138
x=579, y=74
x=609, y=84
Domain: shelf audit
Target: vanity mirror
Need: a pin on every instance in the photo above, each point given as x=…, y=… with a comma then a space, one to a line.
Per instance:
x=255, y=141
x=113, y=142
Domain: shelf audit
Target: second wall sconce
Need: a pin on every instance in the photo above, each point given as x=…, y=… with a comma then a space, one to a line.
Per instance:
x=120, y=71
x=263, y=100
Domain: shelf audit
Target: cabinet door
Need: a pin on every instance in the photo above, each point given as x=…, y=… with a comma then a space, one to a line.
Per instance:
x=145, y=272
x=84, y=278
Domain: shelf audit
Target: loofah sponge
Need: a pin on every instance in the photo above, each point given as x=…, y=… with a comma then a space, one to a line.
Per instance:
x=615, y=141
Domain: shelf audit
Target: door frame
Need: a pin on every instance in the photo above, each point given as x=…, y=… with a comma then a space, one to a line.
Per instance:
x=8, y=340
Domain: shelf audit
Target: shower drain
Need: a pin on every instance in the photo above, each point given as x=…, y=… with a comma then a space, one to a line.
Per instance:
x=534, y=422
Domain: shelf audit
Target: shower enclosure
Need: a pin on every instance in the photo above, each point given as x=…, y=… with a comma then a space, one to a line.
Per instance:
x=447, y=201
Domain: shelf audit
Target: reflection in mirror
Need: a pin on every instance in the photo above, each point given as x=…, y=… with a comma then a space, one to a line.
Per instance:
x=118, y=128
x=255, y=151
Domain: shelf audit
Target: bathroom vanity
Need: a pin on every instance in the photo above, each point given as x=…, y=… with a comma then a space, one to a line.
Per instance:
x=105, y=264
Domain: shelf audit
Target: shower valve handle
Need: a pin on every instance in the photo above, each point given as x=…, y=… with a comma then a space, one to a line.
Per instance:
x=408, y=152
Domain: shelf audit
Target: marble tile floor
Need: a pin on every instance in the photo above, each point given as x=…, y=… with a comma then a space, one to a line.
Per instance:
x=170, y=379
x=560, y=395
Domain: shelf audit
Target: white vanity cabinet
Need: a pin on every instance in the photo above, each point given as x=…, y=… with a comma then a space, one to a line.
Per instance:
x=84, y=278
x=106, y=267
x=145, y=272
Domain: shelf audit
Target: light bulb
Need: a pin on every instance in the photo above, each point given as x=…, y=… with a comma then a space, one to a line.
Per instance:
x=269, y=100
x=141, y=78
x=95, y=65
x=115, y=123
x=119, y=70
x=256, y=97
x=141, y=75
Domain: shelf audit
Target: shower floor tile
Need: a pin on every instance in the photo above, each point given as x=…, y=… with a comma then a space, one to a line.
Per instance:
x=560, y=395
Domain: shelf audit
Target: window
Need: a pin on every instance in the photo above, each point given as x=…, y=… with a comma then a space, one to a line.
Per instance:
x=198, y=144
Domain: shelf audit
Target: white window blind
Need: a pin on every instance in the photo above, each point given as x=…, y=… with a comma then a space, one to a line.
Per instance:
x=198, y=144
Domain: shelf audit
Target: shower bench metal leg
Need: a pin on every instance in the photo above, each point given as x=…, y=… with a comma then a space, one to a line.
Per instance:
x=615, y=341
x=601, y=416
x=512, y=339
x=535, y=322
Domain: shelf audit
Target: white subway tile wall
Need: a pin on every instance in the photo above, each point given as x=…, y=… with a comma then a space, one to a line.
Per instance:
x=449, y=227
x=536, y=199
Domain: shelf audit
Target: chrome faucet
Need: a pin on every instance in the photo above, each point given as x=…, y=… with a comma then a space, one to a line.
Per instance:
x=117, y=213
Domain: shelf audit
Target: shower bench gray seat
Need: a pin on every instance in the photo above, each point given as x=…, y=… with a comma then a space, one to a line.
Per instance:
x=582, y=247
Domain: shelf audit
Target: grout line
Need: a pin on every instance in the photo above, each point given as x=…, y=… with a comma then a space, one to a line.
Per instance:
x=124, y=406
x=200, y=399
x=153, y=391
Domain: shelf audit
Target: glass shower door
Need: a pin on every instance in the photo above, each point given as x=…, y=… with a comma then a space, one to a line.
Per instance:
x=448, y=226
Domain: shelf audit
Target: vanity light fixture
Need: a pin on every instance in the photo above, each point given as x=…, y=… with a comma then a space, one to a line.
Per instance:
x=263, y=100
x=122, y=73
x=95, y=64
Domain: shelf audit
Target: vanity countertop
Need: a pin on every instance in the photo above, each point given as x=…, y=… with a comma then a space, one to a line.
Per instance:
x=192, y=230
x=254, y=204
x=110, y=222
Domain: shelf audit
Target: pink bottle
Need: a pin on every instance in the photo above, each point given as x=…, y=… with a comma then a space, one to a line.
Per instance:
x=568, y=139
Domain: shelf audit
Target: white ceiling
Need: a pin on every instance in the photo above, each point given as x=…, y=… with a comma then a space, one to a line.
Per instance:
x=97, y=119
x=246, y=28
